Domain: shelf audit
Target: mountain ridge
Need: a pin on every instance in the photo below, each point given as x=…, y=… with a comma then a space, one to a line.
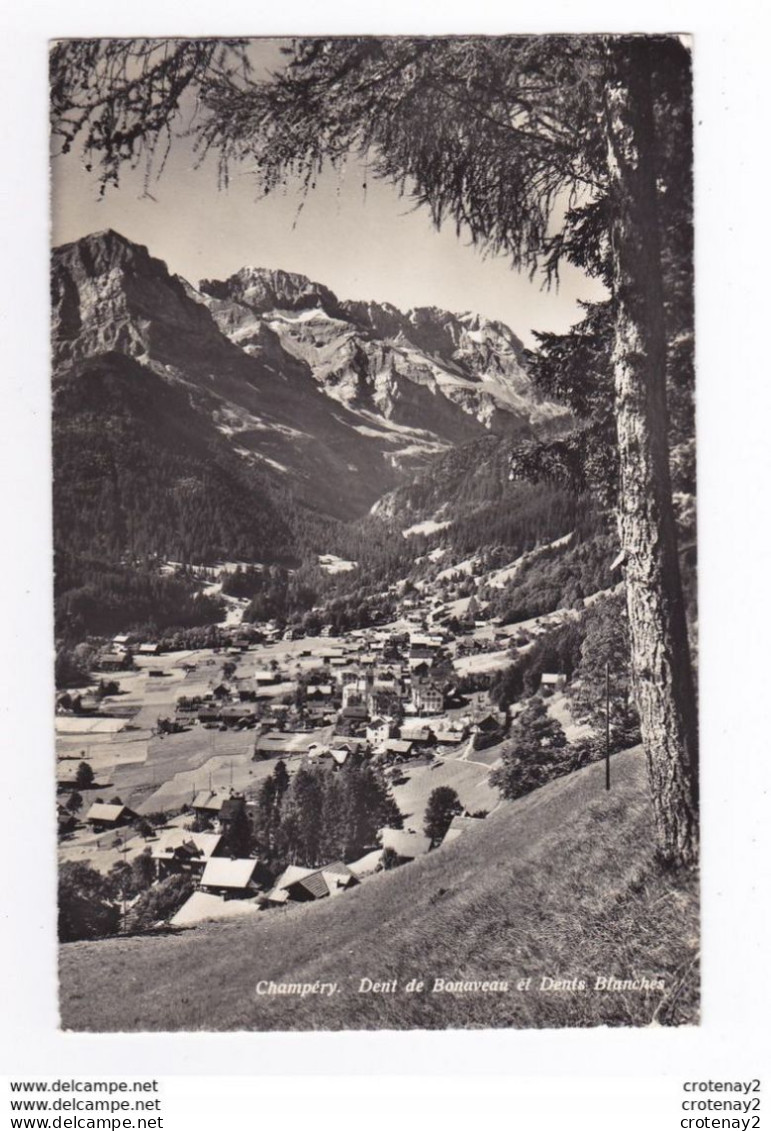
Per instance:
x=371, y=355
x=297, y=407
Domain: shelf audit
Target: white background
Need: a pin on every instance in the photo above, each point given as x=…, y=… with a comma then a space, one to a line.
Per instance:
x=732, y=134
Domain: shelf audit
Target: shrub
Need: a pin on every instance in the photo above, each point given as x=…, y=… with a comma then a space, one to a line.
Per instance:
x=87, y=903
x=161, y=902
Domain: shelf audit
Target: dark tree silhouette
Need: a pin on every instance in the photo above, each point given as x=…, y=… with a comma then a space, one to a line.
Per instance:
x=87, y=907
x=443, y=805
x=84, y=776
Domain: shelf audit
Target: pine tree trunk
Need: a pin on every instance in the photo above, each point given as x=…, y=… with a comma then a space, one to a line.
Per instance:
x=661, y=664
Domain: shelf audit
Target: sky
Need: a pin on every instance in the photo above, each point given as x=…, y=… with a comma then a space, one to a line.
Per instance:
x=362, y=242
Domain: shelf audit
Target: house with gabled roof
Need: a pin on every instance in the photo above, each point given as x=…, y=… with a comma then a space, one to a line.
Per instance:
x=180, y=851
x=208, y=802
x=110, y=661
x=233, y=713
x=399, y=746
x=304, y=884
x=415, y=732
x=103, y=816
x=235, y=879
x=406, y=844
x=266, y=677
x=552, y=681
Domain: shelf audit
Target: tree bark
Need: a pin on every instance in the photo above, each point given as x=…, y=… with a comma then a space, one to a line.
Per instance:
x=661, y=663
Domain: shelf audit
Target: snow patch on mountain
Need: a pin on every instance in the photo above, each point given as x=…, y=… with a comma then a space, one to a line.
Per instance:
x=427, y=527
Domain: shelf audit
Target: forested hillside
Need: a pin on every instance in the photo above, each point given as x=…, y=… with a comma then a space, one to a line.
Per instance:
x=138, y=473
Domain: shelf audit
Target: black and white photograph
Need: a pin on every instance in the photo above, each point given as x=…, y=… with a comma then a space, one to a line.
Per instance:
x=375, y=614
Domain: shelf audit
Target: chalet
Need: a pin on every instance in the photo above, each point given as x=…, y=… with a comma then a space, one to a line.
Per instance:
x=413, y=732
x=234, y=713
x=234, y=879
x=149, y=648
x=202, y=907
x=209, y=713
x=367, y=865
x=406, y=844
x=274, y=744
x=347, y=747
x=271, y=745
x=487, y=724
x=181, y=852
x=103, y=817
x=221, y=691
x=402, y=747
x=552, y=681
x=427, y=696
x=109, y=661
x=264, y=677
x=304, y=884
x=450, y=736
x=420, y=669
x=353, y=743
x=487, y=731
x=208, y=802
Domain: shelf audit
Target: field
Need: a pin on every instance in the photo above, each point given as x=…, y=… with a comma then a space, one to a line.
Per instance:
x=562, y=884
x=150, y=773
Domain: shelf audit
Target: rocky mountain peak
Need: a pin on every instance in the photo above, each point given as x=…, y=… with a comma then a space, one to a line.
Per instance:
x=263, y=289
x=341, y=398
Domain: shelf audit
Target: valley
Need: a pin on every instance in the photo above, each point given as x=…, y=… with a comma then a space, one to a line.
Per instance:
x=309, y=615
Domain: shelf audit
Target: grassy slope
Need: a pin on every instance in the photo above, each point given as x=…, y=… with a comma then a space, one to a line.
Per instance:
x=562, y=883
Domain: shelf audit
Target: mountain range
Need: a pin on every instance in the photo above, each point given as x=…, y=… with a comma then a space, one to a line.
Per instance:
x=213, y=420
